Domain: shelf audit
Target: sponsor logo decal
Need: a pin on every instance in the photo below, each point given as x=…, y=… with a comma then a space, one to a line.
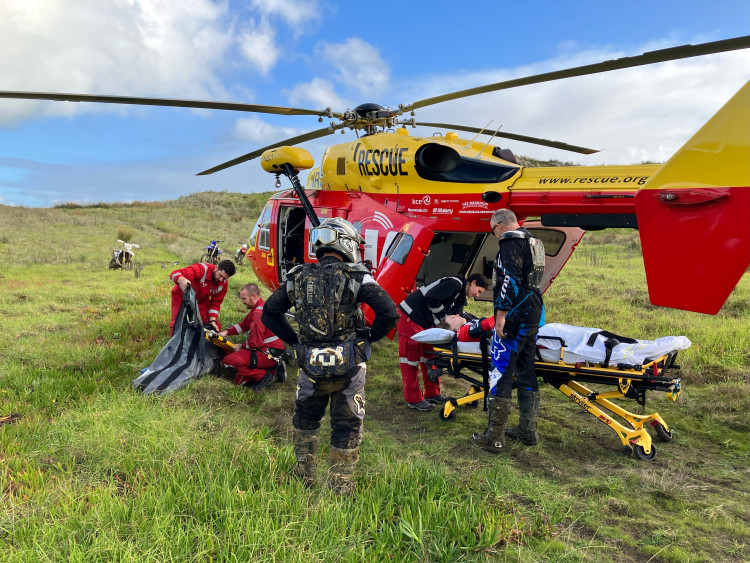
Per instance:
x=426, y=200
x=477, y=204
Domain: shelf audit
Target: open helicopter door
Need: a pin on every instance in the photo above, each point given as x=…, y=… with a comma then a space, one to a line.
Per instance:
x=694, y=214
x=464, y=254
x=403, y=259
x=290, y=243
x=559, y=244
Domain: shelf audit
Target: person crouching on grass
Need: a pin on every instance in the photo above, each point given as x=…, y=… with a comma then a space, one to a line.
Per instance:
x=251, y=365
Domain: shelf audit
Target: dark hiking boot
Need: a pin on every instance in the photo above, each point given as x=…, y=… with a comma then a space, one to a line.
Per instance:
x=268, y=378
x=438, y=399
x=227, y=372
x=421, y=406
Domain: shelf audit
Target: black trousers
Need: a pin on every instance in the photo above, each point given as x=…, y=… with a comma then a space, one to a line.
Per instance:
x=347, y=398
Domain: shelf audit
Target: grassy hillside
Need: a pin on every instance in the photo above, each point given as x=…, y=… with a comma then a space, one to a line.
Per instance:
x=91, y=470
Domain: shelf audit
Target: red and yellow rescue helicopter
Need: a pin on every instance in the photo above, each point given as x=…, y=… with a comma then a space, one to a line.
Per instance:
x=422, y=204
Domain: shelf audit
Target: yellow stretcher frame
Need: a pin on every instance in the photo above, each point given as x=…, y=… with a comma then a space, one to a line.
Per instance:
x=632, y=382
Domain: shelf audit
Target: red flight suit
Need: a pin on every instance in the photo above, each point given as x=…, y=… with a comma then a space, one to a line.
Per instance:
x=258, y=341
x=208, y=293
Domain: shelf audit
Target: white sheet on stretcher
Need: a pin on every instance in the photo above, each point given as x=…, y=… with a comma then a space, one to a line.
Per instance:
x=576, y=348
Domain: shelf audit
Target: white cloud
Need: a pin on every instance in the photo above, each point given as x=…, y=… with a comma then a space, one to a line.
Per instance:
x=298, y=14
x=140, y=47
x=258, y=46
x=357, y=64
x=318, y=93
x=256, y=130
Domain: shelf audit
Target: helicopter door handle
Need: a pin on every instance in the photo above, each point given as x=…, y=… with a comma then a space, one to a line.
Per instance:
x=689, y=197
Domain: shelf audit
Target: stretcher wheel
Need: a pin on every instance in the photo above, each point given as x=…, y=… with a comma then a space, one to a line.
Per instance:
x=640, y=453
x=474, y=404
x=451, y=417
x=662, y=433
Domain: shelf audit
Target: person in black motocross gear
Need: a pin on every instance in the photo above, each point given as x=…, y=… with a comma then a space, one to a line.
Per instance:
x=332, y=346
x=519, y=312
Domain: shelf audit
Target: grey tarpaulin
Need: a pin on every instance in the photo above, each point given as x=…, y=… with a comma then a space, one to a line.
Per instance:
x=187, y=355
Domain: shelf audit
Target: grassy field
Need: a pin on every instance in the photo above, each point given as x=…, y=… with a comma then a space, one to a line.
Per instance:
x=92, y=471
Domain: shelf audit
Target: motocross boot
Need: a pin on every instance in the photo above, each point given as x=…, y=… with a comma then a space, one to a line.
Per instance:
x=306, y=444
x=343, y=462
x=528, y=407
x=493, y=437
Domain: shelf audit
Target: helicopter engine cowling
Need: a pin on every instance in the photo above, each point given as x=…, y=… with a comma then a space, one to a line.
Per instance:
x=441, y=163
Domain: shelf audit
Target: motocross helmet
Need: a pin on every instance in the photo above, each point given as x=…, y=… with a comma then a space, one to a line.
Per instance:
x=337, y=235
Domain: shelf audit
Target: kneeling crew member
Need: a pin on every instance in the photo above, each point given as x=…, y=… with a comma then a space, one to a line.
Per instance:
x=332, y=347
x=251, y=364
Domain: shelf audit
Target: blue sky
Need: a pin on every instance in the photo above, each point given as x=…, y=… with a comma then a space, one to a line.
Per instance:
x=317, y=53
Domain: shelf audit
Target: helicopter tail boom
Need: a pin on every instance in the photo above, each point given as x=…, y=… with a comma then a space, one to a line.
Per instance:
x=694, y=214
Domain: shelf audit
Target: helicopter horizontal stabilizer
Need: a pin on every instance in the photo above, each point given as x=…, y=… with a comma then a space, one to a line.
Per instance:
x=694, y=214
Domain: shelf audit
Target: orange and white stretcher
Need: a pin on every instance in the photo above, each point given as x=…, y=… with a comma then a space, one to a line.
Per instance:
x=630, y=381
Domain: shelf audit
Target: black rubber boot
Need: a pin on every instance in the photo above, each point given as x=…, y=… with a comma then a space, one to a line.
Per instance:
x=528, y=406
x=493, y=437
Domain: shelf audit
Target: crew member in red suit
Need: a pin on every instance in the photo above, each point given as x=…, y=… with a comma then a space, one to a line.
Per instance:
x=210, y=284
x=427, y=307
x=250, y=364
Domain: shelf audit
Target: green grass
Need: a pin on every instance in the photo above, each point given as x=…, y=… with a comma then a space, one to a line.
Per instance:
x=93, y=471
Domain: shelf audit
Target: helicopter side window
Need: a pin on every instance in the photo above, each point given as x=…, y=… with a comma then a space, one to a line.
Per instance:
x=264, y=228
x=553, y=240
x=400, y=247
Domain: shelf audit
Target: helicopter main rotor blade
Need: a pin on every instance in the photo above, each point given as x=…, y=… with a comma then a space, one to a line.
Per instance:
x=522, y=138
x=651, y=57
x=199, y=104
x=256, y=153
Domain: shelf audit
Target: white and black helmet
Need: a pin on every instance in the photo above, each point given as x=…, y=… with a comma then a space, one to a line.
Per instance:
x=337, y=235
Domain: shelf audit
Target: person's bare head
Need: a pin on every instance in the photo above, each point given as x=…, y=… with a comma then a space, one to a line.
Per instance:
x=223, y=271
x=249, y=295
x=503, y=220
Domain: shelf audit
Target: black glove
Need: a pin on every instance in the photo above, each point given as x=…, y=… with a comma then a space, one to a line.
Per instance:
x=290, y=355
x=433, y=373
x=364, y=333
x=511, y=328
x=475, y=328
x=286, y=355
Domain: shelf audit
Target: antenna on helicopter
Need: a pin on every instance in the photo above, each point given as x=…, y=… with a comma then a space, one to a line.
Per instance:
x=490, y=139
x=468, y=144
